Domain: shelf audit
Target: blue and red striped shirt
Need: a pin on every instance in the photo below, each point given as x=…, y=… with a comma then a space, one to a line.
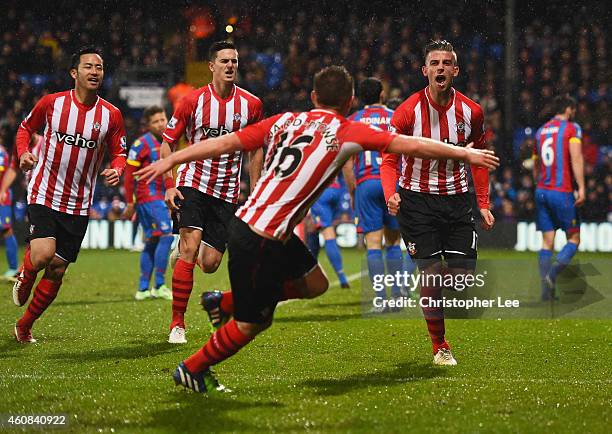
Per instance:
x=143, y=152
x=552, y=150
x=367, y=164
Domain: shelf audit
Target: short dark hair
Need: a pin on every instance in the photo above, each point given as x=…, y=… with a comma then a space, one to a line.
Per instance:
x=218, y=46
x=150, y=111
x=370, y=90
x=76, y=57
x=394, y=103
x=562, y=102
x=334, y=86
x=437, y=45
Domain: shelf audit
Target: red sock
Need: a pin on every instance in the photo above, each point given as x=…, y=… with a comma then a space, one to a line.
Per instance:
x=434, y=316
x=29, y=272
x=227, y=302
x=44, y=294
x=182, y=284
x=223, y=344
x=290, y=291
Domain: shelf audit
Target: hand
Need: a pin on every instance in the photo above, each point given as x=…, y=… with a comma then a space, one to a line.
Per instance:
x=112, y=176
x=393, y=204
x=481, y=157
x=128, y=213
x=580, y=197
x=154, y=170
x=488, y=220
x=171, y=195
x=27, y=161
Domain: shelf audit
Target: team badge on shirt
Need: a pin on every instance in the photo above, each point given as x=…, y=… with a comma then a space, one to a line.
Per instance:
x=460, y=127
x=97, y=126
x=237, y=117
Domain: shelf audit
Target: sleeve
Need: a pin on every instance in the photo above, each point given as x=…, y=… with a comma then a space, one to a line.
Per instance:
x=32, y=123
x=402, y=121
x=116, y=142
x=128, y=183
x=179, y=121
x=369, y=138
x=254, y=136
x=257, y=112
x=4, y=160
x=480, y=175
x=134, y=157
x=576, y=134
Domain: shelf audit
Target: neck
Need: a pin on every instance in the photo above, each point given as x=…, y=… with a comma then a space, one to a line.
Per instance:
x=562, y=117
x=223, y=88
x=85, y=97
x=441, y=97
x=372, y=105
x=329, y=109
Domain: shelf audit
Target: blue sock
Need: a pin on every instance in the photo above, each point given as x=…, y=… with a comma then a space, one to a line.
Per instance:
x=333, y=254
x=162, y=251
x=393, y=258
x=376, y=267
x=146, y=264
x=563, y=258
x=544, y=262
x=312, y=241
x=11, y=251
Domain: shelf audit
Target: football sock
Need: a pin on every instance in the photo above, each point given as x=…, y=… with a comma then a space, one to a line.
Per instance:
x=393, y=258
x=376, y=267
x=563, y=259
x=162, y=251
x=182, y=284
x=333, y=254
x=312, y=241
x=44, y=294
x=29, y=272
x=544, y=263
x=227, y=302
x=434, y=316
x=146, y=264
x=224, y=343
x=11, y=251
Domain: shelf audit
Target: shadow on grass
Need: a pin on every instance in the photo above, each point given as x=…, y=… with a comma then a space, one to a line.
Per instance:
x=201, y=413
x=136, y=351
x=317, y=318
x=84, y=302
x=402, y=373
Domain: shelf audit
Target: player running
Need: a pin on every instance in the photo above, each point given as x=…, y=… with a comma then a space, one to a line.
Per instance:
x=267, y=261
x=207, y=190
x=6, y=218
x=435, y=208
x=323, y=212
x=362, y=174
x=559, y=161
x=78, y=127
x=150, y=207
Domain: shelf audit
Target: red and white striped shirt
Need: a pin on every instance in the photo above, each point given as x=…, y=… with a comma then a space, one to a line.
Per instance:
x=203, y=114
x=459, y=123
x=75, y=138
x=305, y=153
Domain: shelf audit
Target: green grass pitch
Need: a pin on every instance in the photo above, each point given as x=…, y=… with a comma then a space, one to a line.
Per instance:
x=102, y=359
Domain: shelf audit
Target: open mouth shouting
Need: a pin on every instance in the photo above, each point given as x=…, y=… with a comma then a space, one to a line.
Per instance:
x=441, y=80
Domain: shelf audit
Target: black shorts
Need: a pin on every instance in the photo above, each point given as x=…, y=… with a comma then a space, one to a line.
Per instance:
x=209, y=214
x=434, y=225
x=258, y=267
x=67, y=229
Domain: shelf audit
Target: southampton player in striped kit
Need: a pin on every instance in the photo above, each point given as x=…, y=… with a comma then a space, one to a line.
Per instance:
x=78, y=128
x=150, y=207
x=267, y=261
x=207, y=189
x=362, y=174
x=435, y=208
x=558, y=162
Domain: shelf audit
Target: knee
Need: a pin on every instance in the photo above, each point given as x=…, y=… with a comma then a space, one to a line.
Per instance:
x=56, y=270
x=210, y=263
x=41, y=259
x=316, y=284
x=574, y=238
x=251, y=329
x=188, y=251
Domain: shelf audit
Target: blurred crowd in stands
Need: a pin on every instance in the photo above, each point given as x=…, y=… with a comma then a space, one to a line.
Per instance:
x=279, y=53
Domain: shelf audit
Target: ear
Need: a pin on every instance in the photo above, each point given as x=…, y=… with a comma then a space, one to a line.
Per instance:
x=211, y=66
x=313, y=98
x=424, y=70
x=455, y=70
x=73, y=73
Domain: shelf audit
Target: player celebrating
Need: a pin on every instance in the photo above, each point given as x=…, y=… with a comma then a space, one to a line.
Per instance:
x=559, y=152
x=151, y=209
x=362, y=175
x=208, y=189
x=435, y=209
x=305, y=153
x=323, y=212
x=79, y=126
x=6, y=218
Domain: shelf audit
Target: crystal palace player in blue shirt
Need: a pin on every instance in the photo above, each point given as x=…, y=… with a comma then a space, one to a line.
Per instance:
x=151, y=209
x=362, y=174
x=558, y=162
